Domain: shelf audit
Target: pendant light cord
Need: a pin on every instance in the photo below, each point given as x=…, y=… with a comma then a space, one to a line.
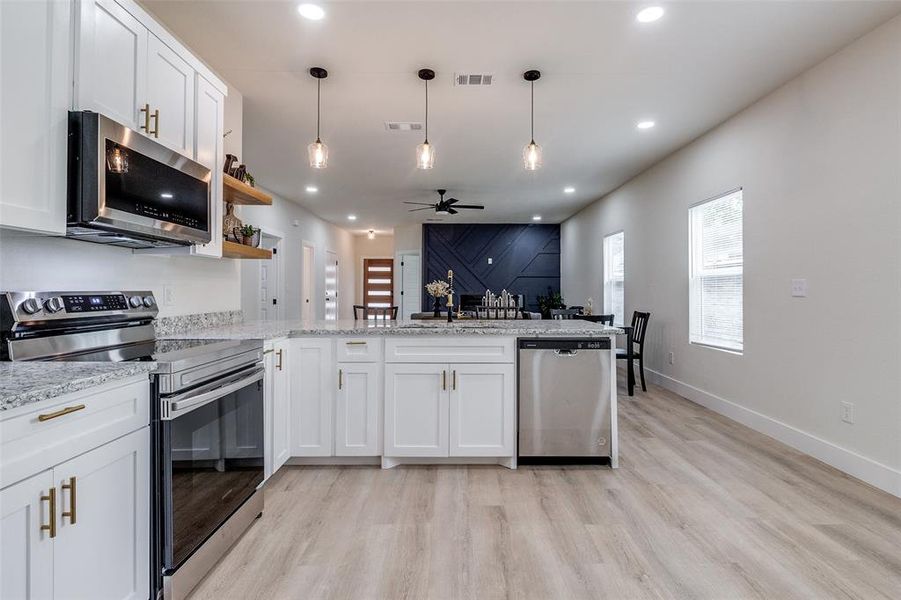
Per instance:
x=318, y=86
x=427, y=111
x=532, y=122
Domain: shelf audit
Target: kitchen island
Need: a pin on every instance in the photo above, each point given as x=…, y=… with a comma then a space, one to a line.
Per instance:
x=397, y=392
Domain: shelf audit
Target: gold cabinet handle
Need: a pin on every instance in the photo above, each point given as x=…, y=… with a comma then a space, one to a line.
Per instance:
x=146, y=126
x=156, y=124
x=340, y=378
x=444, y=380
x=72, y=494
x=280, y=354
x=60, y=412
x=454, y=387
x=356, y=343
x=51, y=500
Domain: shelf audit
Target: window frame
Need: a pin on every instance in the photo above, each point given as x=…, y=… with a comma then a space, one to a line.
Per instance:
x=693, y=255
x=604, y=278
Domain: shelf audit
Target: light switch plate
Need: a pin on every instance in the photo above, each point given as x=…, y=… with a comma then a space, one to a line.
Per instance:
x=799, y=288
x=847, y=412
x=490, y=260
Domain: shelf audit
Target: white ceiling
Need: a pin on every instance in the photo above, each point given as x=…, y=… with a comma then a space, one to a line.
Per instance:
x=602, y=71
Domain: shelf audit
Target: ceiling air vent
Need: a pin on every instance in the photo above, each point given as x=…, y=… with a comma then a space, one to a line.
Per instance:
x=473, y=79
x=403, y=126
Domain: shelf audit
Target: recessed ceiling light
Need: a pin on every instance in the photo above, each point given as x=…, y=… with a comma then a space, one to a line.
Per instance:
x=351, y=217
x=569, y=190
x=649, y=14
x=166, y=195
x=312, y=189
x=645, y=124
x=536, y=217
x=312, y=12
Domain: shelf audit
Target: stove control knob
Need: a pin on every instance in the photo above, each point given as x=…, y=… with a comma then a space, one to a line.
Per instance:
x=149, y=302
x=54, y=304
x=30, y=305
x=135, y=301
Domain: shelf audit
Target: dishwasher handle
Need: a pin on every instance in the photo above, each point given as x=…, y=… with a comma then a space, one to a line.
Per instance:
x=564, y=352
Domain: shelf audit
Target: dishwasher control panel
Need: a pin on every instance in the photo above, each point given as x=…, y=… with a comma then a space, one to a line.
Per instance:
x=565, y=344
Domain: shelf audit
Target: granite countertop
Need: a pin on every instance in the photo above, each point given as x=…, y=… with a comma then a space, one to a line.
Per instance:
x=268, y=330
x=24, y=383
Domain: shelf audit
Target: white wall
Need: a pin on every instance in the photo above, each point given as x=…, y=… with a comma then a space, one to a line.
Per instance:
x=297, y=225
x=30, y=262
x=381, y=247
x=820, y=164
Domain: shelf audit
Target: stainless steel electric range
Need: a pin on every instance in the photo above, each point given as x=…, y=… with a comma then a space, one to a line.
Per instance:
x=207, y=416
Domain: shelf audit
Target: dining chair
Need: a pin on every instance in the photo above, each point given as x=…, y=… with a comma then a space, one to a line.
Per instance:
x=639, y=329
x=382, y=312
x=565, y=313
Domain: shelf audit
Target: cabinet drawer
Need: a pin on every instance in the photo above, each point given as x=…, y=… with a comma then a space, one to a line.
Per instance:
x=29, y=445
x=469, y=349
x=365, y=349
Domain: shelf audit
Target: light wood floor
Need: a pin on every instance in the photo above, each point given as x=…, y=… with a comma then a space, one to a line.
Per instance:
x=701, y=508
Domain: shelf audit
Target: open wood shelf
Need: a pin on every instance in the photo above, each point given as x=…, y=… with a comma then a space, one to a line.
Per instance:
x=238, y=192
x=233, y=250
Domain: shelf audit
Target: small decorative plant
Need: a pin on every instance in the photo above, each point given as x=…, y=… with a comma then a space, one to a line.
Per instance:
x=247, y=232
x=438, y=288
x=551, y=301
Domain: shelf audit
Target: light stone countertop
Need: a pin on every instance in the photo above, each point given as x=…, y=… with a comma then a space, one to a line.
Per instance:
x=269, y=330
x=24, y=383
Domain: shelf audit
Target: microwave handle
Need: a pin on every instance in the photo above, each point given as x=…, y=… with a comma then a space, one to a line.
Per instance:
x=183, y=403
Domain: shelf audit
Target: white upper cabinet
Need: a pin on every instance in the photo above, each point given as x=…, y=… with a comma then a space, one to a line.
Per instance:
x=208, y=149
x=26, y=549
x=35, y=68
x=111, y=76
x=170, y=93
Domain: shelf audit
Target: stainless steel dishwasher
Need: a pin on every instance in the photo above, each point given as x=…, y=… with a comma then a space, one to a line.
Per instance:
x=565, y=401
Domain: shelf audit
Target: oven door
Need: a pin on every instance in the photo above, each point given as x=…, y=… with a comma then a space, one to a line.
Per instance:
x=211, y=459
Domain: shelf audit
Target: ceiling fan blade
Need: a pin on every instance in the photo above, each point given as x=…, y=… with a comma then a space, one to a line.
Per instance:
x=420, y=203
x=423, y=208
x=475, y=206
x=452, y=201
x=452, y=211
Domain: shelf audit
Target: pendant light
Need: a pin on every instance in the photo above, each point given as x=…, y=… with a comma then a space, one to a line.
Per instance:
x=425, y=152
x=317, y=151
x=531, y=154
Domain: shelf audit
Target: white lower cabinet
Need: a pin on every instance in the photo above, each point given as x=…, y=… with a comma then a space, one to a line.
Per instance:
x=277, y=393
x=313, y=396
x=82, y=528
x=103, y=502
x=26, y=551
x=445, y=410
x=482, y=405
x=357, y=409
x=416, y=410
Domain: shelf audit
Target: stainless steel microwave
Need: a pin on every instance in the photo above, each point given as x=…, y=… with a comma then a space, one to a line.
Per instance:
x=125, y=189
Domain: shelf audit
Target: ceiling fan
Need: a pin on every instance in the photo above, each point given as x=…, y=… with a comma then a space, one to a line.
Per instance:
x=444, y=207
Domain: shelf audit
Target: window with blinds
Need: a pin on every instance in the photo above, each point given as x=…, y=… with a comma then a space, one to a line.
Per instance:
x=715, y=272
x=615, y=276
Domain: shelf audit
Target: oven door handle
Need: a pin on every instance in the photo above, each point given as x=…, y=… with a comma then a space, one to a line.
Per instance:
x=183, y=403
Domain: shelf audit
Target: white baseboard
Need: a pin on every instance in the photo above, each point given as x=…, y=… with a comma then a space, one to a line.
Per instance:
x=875, y=473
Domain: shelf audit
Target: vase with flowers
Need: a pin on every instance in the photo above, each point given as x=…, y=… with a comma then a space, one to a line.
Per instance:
x=437, y=289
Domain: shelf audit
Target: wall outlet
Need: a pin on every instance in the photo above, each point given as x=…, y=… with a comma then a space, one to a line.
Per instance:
x=490, y=260
x=168, y=296
x=847, y=412
x=671, y=358
x=799, y=288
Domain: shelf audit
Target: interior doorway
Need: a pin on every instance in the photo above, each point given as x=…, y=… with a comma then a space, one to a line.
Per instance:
x=410, y=285
x=307, y=310
x=331, y=286
x=270, y=278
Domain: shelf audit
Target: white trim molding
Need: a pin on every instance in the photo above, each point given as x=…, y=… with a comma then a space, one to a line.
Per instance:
x=879, y=475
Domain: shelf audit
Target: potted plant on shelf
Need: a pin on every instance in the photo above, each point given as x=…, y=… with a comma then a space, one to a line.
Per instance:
x=248, y=234
x=438, y=289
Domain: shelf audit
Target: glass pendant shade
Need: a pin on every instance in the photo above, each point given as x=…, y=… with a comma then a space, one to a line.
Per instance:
x=117, y=161
x=318, y=154
x=531, y=156
x=425, y=155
